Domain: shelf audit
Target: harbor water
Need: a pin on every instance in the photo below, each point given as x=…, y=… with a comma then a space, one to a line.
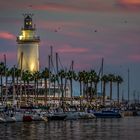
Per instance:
x=127, y=128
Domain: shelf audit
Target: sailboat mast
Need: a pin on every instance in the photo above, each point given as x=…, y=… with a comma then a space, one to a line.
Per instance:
x=128, y=85
x=5, y=78
x=58, y=82
x=57, y=63
x=71, y=85
x=72, y=65
x=102, y=72
x=49, y=66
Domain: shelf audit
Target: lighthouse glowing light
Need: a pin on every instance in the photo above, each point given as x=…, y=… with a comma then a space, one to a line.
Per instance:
x=28, y=46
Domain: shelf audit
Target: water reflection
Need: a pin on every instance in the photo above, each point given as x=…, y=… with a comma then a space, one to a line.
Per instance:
x=96, y=129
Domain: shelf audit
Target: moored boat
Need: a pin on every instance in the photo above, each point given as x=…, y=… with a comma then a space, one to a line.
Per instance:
x=4, y=117
x=108, y=114
x=27, y=118
x=75, y=115
x=56, y=116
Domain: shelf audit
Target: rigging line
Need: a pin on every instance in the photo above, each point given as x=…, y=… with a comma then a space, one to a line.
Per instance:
x=53, y=67
x=60, y=62
x=101, y=69
x=71, y=66
x=51, y=61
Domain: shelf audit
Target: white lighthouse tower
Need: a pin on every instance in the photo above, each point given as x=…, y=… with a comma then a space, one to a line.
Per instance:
x=28, y=46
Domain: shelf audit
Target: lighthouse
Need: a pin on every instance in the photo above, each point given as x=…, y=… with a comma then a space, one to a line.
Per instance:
x=28, y=46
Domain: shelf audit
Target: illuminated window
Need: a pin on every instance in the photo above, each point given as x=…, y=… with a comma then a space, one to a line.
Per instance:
x=20, y=37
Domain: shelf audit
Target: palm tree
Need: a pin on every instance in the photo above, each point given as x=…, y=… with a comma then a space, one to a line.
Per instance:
x=7, y=74
x=45, y=75
x=62, y=75
x=36, y=76
x=85, y=77
x=93, y=78
x=70, y=75
x=119, y=80
x=111, y=79
x=80, y=79
x=96, y=80
x=104, y=79
x=26, y=77
x=12, y=73
x=54, y=78
x=86, y=81
x=17, y=75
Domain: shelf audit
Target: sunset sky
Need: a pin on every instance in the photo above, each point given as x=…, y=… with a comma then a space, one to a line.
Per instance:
x=81, y=30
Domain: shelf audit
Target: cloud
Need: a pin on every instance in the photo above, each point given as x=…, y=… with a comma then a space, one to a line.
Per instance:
x=77, y=5
x=68, y=49
x=134, y=58
x=129, y=4
x=7, y=35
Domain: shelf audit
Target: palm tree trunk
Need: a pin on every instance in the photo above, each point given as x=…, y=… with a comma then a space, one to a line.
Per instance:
x=62, y=91
x=35, y=100
x=84, y=87
x=118, y=93
x=37, y=91
x=45, y=92
x=110, y=90
x=81, y=94
x=71, y=91
x=104, y=93
x=95, y=86
x=54, y=90
x=6, y=89
x=91, y=93
x=25, y=92
x=80, y=88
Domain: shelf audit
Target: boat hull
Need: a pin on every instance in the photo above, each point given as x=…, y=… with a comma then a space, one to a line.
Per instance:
x=107, y=114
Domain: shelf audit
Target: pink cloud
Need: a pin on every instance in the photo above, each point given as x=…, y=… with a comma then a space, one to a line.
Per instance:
x=130, y=4
x=60, y=25
x=7, y=35
x=88, y=5
x=71, y=6
x=135, y=58
x=50, y=6
x=68, y=49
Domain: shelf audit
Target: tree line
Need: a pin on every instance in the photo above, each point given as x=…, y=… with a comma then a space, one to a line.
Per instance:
x=88, y=82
